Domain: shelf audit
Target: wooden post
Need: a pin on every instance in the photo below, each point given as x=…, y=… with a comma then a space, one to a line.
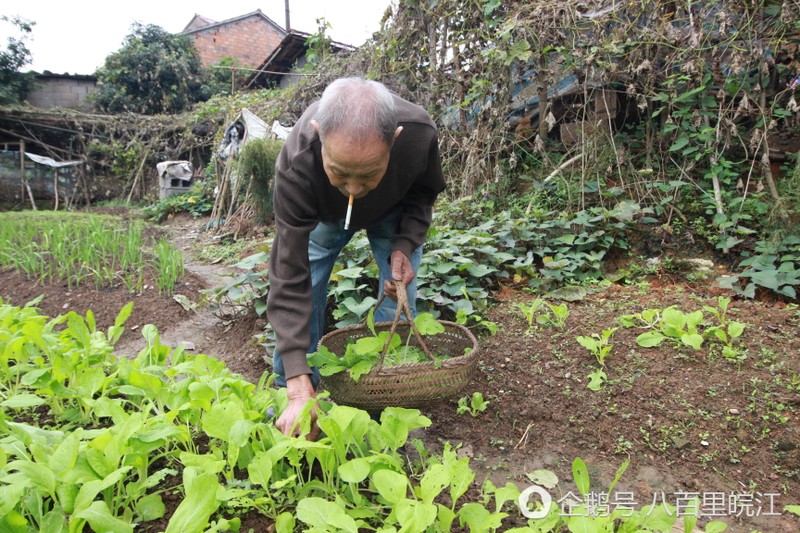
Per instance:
x=55, y=187
x=22, y=172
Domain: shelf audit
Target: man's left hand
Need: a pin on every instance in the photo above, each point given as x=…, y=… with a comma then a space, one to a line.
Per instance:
x=401, y=271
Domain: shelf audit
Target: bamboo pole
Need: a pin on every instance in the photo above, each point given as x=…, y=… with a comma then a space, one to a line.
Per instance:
x=136, y=176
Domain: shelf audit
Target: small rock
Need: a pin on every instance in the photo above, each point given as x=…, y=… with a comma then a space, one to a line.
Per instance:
x=704, y=442
x=679, y=442
x=188, y=345
x=701, y=264
x=733, y=411
x=65, y=305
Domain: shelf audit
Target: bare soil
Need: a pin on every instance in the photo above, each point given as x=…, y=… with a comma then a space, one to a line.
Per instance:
x=686, y=420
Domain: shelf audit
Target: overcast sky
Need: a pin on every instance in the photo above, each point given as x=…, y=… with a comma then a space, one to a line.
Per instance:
x=75, y=37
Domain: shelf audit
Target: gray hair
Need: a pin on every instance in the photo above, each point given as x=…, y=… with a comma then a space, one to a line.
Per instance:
x=358, y=108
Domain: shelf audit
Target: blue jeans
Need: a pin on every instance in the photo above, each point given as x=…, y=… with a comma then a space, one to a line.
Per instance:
x=325, y=244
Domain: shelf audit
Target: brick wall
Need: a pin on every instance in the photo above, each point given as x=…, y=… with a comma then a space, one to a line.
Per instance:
x=61, y=92
x=250, y=40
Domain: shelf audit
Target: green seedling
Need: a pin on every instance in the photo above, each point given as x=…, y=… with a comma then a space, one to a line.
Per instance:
x=474, y=405
x=671, y=323
x=544, y=313
x=600, y=347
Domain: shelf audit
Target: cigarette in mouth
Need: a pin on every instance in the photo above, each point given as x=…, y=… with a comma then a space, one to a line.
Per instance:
x=349, y=212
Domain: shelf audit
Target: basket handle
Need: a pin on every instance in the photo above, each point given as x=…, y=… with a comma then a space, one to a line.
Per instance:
x=402, y=306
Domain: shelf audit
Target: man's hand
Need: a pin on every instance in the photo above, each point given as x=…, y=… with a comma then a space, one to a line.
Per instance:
x=401, y=271
x=300, y=391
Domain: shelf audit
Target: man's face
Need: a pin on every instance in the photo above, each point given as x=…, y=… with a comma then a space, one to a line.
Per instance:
x=354, y=168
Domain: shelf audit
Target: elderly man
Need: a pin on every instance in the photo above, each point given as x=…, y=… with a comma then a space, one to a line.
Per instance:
x=362, y=143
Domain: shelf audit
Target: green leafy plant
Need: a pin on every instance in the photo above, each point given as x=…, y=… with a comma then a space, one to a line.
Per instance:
x=361, y=356
x=197, y=201
x=474, y=404
x=544, y=313
x=773, y=266
x=670, y=323
x=81, y=248
x=727, y=331
x=600, y=346
x=688, y=329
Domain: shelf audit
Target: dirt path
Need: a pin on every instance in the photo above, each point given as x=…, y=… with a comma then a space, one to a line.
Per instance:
x=201, y=330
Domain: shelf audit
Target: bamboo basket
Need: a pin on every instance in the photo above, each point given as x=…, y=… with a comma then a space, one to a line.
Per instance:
x=406, y=385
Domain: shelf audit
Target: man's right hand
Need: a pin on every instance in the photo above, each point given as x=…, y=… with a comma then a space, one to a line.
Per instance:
x=300, y=391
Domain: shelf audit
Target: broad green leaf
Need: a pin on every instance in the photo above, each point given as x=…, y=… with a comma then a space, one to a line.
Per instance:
x=361, y=368
x=259, y=469
x=461, y=477
x=219, y=420
x=23, y=401
x=715, y=526
x=690, y=515
x=678, y=144
x=391, y=485
x=415, y=516
x=325, y=515
x=39, y=475
x=674, y=317
x=326, y=361
x=588, y=342
x=694, y=319
x=151, y=507
x=428, y=325
x=240, y=433
x=198, y=505
x=735, y=329
x=596, y=380
x=507, y=493
x=89, y=491
x=433, y=482
x=695, y=340
x=146, y=382
x=658, y=517
x=99, y=517
x=394, y=431
x=359, y=307
x=205, y=462
x=444, y=518
x=649, y=339
x=123, y=314
x=54, y=522
x=65, y=455
x=581, y=475
x=10, y=496
x=794, y=509
x=356, y=470
x=284, y=523
x=545, y=478
x=478, y=518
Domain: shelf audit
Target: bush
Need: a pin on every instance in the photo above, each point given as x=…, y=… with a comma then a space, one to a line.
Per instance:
x=257, y=169
x=197, y=202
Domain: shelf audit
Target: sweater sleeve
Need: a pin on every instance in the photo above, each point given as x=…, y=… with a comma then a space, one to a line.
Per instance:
x=289, y=299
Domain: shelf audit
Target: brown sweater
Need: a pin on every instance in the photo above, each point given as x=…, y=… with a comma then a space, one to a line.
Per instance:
x=303, y=197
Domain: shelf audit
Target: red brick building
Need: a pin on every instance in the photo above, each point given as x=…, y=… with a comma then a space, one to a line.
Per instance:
x=248, y=38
